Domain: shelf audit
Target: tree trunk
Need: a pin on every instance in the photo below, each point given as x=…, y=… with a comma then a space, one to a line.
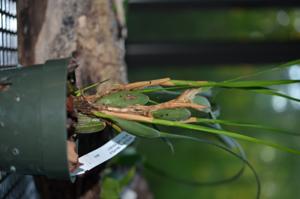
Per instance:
x=51, y=29
x=57, y=28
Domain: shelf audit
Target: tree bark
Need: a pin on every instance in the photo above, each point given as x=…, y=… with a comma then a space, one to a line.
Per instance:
x=57, y=28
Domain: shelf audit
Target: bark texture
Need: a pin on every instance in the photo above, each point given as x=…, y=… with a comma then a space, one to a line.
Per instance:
x=58, y=28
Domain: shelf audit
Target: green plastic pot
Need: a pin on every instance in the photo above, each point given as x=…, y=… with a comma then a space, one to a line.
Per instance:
x=33, y=120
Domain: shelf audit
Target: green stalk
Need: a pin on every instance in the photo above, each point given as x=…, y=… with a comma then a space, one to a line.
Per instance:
x=82, y=90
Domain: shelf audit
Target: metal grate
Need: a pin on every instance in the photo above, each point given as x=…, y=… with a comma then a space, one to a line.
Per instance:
x=8, y=33
x=12, y=186
x=16, y=186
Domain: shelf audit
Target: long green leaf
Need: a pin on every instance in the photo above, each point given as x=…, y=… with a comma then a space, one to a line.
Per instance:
x=212, y=183
x=238, y=84
x=282, y=66
x=238, y=124
x=269, y=91
x=82, y=90
x=202, y=129
x=227, y=133
x=164, y=89
x=275, y=93
x=139, y=130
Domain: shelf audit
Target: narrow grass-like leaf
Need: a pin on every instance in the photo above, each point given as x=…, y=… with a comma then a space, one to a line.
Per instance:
x=197, y=128
x=163, y=89
x=167, y=141
x=232, y=146
x=228, y=141
x=145, y=131
x=238, y=84
x=269, y=91
x=153, y=102
x=275, y=93
x=238, y=124
x=82, y=90
x=290, y=63
x=282, y=66
x=184, y=84
x=212, y=183
x=261, y=83
x=169, y=144
x=227, y=133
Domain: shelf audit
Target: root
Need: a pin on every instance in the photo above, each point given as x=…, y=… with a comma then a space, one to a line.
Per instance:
x=183, y=101
x=134, y=86
x=143, y=84
x=87, y=103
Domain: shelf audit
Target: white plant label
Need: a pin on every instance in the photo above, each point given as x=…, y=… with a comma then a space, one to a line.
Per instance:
x=104, y=153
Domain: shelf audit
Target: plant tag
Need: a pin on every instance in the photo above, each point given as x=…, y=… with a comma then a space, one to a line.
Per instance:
x=104, y=153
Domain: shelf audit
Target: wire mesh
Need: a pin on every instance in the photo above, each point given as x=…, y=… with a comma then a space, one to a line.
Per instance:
x=8, y=33
x=12, y=186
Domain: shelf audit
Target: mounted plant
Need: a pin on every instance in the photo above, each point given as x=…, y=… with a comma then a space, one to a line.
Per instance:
x=145, y=108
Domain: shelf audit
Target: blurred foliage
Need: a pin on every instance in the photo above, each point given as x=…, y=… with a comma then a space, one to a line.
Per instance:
x=199, y=25
x=279, y=172
x=114, y=183
x=193, y=161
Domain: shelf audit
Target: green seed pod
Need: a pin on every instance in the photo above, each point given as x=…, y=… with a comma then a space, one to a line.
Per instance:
x=198, y=99
x=137, y=129
x=88, y=124
x=177, y=114
x=123, y=99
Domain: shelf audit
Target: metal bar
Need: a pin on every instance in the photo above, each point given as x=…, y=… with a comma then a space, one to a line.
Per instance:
x=2, y=174
x=14, y=180
x=14, y=186
x=199, y=53
x=7, y=13
x=8, y=33
x=209, y=4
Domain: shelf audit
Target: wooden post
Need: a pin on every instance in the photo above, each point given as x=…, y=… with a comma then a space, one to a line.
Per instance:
x=56, y=29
